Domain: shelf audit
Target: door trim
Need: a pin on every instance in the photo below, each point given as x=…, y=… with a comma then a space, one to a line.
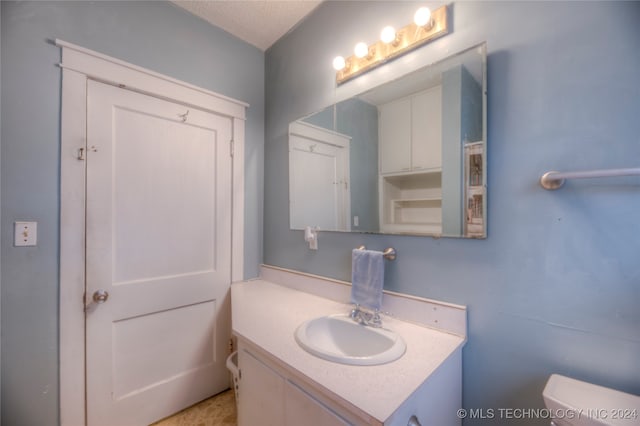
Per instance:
x=78, y=65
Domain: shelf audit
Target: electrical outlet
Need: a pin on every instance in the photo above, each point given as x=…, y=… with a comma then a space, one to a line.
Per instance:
x=25, y=234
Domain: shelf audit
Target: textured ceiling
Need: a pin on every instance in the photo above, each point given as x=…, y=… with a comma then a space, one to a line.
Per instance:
x=260, y=23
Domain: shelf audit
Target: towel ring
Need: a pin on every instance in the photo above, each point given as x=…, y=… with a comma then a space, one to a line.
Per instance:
x=389, y=253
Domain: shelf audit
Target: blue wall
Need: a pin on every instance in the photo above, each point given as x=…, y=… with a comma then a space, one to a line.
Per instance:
x=359, y=120
x=556, y=286
x=155, y=35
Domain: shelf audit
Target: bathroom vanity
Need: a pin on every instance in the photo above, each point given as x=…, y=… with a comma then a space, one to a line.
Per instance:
x=282, y=384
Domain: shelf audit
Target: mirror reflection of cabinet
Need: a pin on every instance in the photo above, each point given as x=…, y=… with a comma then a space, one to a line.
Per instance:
x=411, y=163
x=411, y=133
x=411, y=203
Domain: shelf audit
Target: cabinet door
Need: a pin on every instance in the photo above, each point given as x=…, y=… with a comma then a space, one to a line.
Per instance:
x=300, y=408
x=261, y=393
x=426, y=129
x=395, y=136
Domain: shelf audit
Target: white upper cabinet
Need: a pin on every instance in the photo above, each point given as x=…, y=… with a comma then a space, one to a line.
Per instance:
x=411, y=133
x=426, y=130
x=395, y=136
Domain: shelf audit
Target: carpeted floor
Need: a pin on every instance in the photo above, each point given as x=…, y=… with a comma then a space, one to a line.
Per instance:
x=219, y=410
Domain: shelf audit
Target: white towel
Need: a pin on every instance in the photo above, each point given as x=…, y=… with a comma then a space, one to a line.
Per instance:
x=367, y=278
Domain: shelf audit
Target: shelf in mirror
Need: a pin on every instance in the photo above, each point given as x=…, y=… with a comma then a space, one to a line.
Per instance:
x=412, y=203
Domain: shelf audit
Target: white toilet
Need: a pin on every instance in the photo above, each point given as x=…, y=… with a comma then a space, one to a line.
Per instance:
x=574, y=403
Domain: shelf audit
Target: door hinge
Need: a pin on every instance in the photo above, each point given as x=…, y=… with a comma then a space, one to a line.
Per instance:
x=80, y=155
x=231, y=147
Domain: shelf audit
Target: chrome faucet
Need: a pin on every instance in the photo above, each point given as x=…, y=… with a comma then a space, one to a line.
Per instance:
x=364, y=317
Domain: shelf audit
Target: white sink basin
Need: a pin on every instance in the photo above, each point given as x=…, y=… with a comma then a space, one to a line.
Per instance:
x=339, y=339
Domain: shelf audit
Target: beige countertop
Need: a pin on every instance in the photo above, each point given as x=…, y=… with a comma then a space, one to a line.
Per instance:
x=267, y=315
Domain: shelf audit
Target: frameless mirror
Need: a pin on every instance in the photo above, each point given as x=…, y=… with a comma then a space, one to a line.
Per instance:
x=407, y=157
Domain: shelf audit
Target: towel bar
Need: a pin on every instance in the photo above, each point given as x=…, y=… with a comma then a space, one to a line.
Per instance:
x=389, y=253
x=554, y=180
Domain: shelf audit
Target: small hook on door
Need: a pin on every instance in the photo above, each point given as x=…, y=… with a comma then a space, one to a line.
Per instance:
x=184, y=116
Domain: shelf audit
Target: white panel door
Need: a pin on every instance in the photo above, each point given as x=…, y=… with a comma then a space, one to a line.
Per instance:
x=158, y=241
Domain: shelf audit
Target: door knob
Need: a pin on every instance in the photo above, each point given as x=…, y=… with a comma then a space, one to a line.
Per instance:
x=100, y=296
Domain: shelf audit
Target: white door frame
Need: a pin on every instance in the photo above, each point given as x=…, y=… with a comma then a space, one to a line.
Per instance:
x=78, y=65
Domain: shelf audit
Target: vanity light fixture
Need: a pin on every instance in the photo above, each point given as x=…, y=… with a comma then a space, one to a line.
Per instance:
x=389, y=35
x=426, y=26
x=339, y=63
x=422, y=18
x=361, y=50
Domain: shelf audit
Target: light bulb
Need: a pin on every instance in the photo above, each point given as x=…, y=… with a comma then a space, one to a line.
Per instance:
x=361, y=50
x=339, y=63
x=388, y=34
x=422, y=17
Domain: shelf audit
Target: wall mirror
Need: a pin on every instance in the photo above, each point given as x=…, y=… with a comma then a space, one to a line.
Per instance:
x=407, y=157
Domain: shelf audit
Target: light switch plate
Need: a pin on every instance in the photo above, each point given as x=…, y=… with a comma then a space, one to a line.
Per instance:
x=25, y=234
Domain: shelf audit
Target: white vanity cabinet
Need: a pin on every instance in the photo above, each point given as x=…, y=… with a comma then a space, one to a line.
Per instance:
x=300, y=408
x=268, y=396
x=272, y=394
x=410, y=132
x=261, y=393
x=282, y=384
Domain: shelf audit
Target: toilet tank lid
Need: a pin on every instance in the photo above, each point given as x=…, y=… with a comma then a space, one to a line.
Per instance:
x=577, y=395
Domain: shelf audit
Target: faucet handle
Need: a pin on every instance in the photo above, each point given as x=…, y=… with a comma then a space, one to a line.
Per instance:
x=355, y=312
x=376, y=321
